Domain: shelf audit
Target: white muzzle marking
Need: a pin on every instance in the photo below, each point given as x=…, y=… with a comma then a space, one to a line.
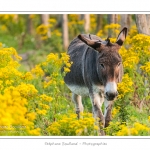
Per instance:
x=111, y=87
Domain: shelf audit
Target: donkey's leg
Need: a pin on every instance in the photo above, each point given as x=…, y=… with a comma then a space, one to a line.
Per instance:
x=78, y=103
x=107, y=111
x=97, y=101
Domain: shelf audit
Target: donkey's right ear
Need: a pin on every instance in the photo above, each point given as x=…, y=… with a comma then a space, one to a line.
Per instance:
x=122, y=36
x=92, y=43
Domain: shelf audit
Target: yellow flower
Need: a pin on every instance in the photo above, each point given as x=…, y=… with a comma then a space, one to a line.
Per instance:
x=125, y=86
x=46, y=98
x=31, y=116
x=149, y=118
x=96, y=128
x=52, y=20
x=66, y=69
x=37, y=71
x=42, y=29
x=79, y=131
x=133, y=131
x=41, y=112
x=34, y=131
x=115, y=111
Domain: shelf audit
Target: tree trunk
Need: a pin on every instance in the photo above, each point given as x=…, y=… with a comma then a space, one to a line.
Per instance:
x=148, y=21
x=29, y=25
x=87, y=22
x=99, y=22
x=124, y=20
x=112, y=18
x=45, y=18
x=65, y=31
x=115, y=18
x=141, y=23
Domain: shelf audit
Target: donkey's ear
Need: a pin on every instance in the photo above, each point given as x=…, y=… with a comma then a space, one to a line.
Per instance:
x=93, y=43
x=122, y=36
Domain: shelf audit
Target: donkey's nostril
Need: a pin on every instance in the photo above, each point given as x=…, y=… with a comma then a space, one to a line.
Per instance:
x=110, y=95
x=107, y=94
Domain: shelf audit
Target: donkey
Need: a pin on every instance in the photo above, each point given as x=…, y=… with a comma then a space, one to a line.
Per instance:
x=96, y=70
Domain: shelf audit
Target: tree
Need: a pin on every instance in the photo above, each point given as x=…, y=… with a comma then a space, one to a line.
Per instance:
x=99, y=22
x=65, y=31
x=87, y=22
x=29, y=24
x=44, y=19
x=148, y=21
x=112, y=18
x=126, y=20
x=141, y=24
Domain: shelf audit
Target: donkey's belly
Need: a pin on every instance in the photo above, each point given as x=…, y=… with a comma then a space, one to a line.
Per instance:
x=84, y=91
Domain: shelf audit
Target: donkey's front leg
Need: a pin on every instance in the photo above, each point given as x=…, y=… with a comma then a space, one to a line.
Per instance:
x=78, y=103
x=107, y=112
x=97, y=101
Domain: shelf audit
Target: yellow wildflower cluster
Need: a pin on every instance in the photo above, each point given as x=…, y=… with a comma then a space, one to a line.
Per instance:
x=20, y=101
x=70, y=125
x=141, y=42
x=14, y=112
x=125, y=86
x=52, y=20
x=112, y=26
x=6, y=17
x=114, y=30
x=37, y=71
x=27, y=90
x=115, y=111
x=56, y=33
x=27, y=76
x=127, y=129
x=32, y=16
x=100, y=33
x=146, y=67
x=74, y=20
x=75, y=24
x=130, y=58
x=133, y=31
x=149, y=118
x=43, y=31
x=27, y=99
x=46, y=98
x=47, y=31
x=137, y=129
x=56, y=62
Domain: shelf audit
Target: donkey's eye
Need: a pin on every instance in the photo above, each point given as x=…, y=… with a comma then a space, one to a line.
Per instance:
x=119, y=64
x=102, y=65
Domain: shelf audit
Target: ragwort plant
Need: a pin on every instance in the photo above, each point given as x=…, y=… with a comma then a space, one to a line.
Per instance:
x=29, y=103
x=69, y=125
x=14, y=97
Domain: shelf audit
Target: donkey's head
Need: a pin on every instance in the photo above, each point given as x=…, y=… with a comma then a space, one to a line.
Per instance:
x=109, y=62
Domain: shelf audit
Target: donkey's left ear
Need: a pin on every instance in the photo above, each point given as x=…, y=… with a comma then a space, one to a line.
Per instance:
x=122, y=36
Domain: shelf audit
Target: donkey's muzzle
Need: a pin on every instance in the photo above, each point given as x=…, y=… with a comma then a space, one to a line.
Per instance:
x=111, y=96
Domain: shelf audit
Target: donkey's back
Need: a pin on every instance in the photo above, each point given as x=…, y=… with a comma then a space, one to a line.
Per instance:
x=83, y=67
